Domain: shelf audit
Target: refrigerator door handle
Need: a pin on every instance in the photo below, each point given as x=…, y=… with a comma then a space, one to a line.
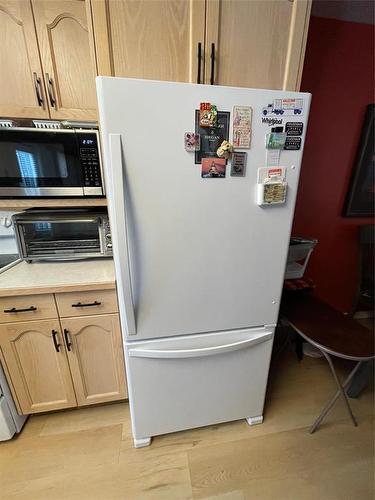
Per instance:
x=199, y=352
x=119, y=235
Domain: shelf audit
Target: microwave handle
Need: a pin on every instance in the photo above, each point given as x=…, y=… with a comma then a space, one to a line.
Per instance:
x=117, y=207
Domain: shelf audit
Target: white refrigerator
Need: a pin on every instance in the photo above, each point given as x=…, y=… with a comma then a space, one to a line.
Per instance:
x=199, y=260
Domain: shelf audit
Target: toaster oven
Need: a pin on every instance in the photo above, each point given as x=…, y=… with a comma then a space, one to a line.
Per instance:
x=62, y=235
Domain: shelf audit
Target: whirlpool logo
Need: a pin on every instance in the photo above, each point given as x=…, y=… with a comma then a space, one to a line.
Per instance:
x=272, y=121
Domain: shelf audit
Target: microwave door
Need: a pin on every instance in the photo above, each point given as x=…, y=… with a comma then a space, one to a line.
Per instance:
x=39, y=163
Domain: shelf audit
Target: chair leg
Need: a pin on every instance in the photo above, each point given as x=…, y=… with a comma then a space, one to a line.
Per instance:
x=341, y=391
x=299, y=346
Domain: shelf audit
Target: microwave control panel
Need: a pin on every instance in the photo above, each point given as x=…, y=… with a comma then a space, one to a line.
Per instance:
x=90, y=160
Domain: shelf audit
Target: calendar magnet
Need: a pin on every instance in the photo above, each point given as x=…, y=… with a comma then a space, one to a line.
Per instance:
x=242, y=117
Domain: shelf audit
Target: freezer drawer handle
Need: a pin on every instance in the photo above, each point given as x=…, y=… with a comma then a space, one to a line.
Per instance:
x=15, y=310
x=202, y=351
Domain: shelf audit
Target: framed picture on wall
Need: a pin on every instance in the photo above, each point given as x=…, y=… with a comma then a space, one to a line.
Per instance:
x=360, y=197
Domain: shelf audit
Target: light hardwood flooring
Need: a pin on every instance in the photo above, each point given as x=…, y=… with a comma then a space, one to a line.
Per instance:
x=88, y=453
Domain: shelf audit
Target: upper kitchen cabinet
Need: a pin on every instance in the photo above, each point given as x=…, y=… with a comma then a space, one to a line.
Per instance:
x=22, y=90
x=248, y=43
x=68, y=59
x=257, y=43
x=152, y=39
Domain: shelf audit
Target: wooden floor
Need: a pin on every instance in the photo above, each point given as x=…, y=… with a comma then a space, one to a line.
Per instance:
x=88, y=454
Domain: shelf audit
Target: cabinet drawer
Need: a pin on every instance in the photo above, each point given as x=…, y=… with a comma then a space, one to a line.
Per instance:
x=86, y=303
x=27, y=307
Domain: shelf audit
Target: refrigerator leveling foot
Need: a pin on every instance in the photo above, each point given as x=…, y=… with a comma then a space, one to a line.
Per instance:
x=141, y=443
x=255, y=420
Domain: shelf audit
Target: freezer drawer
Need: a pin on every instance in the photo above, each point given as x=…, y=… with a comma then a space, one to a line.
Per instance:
x=185, y=382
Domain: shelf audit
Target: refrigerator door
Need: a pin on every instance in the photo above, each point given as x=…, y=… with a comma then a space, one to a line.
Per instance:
x=192, y=254
x=185, y=382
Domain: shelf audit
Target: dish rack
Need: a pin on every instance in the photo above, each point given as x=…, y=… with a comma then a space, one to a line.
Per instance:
x=300, y=250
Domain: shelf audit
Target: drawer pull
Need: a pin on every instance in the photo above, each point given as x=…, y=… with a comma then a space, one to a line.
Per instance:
x=79, y=304
x=15, y=310
x=67, y=341
x=212, y=79
x=51, y=90
x=55, y=343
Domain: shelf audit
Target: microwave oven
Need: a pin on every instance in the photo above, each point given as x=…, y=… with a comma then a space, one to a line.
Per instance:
x=62, y=235
x=42, y=162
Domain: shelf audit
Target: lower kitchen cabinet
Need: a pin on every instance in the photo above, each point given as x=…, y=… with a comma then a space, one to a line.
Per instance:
x=55, y=360
x=36, y=360
x=96, y=360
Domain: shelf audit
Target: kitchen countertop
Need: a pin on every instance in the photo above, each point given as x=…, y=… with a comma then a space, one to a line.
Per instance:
x=51, y=277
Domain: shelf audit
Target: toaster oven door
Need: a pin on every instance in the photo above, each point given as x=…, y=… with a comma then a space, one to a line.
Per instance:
x=39, y=163
x=60, y=239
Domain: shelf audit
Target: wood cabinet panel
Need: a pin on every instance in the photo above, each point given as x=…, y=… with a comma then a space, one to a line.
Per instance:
x=39, y=374
x=67, y=57
x=106, y=303
x=19, y=62
x=96, y=358
x=44, y=305
x=152, y=39
x=257, y=44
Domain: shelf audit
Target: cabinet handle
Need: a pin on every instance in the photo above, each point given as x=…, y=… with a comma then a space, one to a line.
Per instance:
x=212, y=79
x=51, y=91
x=38, y=90
x=15, y=310
x=67, y=341
x=79, y=304
x=55, y=343
x=199, y=62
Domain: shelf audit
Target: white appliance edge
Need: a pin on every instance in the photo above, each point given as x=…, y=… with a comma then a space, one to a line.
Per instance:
x=10, y=421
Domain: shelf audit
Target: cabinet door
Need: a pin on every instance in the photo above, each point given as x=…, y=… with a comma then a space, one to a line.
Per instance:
x=96, y=358
x=37, y=365
x=256, y=43
x=21, y=83
x=151, y=39
x=67, y=58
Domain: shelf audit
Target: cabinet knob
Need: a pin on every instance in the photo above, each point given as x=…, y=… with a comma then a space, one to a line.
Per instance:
x=67, y=341
x=38, y=90
x=51, y=91
x=199, y=62
x=54, y=339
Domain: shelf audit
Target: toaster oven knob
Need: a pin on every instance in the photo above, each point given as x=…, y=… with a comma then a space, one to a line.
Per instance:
x=109, y=245
x=108, y=236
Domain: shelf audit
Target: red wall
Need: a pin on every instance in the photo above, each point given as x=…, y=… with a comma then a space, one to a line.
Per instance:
x=338, y=71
